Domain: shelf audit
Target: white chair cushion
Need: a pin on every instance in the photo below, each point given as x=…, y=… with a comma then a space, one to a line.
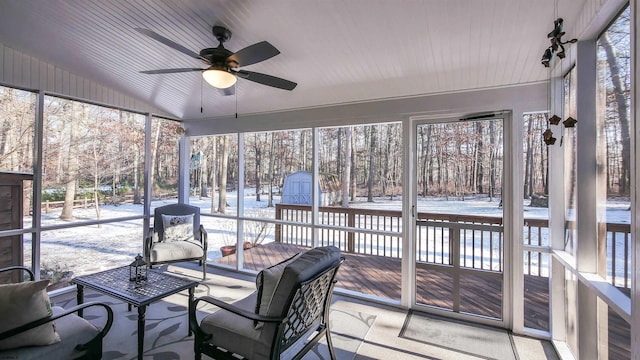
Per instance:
x=73, y=331
x=266, y=284
x=177, y=227
x=177, y=250
x=238, y=333
x=20, y=304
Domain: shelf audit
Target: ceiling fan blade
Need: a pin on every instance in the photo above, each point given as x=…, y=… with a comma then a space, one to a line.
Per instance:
x=170, y=43
x=170, y=71
x=254, y=54
x=268, y=80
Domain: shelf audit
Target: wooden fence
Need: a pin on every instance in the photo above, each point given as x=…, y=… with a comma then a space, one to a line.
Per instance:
x=107, y=200
x=480, y=238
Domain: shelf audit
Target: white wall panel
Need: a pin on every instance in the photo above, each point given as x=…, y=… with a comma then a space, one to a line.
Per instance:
x=7, y=65
x=27, y=72
x=595, y=15
x=73, y=85
x=34, y=81
x=66, y=86
x=25, y=64
x=520, y=99
x=51, y=77
x=57, y=81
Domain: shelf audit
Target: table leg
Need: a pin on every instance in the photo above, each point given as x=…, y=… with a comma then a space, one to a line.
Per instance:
x=141, y=319
x=191, y=289
x=80, y=297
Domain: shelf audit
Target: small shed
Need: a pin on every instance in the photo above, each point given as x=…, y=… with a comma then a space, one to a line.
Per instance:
x=297, y=189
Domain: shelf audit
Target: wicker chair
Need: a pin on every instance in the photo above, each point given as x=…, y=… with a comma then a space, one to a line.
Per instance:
x=160, y=249
x=78, y=338
x=283, y=319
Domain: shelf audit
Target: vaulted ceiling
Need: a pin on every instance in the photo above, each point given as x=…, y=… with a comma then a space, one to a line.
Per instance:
x=338, y=51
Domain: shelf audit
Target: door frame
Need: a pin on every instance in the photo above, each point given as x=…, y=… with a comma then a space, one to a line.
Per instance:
x=512, y=214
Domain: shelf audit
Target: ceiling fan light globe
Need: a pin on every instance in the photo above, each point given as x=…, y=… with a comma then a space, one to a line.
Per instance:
x=220, y=79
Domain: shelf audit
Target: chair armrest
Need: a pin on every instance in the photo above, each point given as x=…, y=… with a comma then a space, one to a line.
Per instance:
x=20, y=268
x=148, y=242
x=203, y=238
x=193, y=321
x=36, y=323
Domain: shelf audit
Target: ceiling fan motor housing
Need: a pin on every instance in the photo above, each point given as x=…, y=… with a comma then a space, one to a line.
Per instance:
x=218, y=56
x=221, y=33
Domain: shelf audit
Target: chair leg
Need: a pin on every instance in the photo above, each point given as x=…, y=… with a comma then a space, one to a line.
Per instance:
x=197, y=350
x=332, y=353
x=204, y=269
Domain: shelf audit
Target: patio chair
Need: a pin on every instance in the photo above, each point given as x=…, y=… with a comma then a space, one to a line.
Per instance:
x=32, y=329
x=283, y=319
x=176, y=236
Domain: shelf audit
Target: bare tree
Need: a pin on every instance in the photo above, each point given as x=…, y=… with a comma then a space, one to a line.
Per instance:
x=222, y=193
x=346, y=175
x=213, y=172
x=71, y=164
x=372, y=167
x=620, y=100
x=270, y=169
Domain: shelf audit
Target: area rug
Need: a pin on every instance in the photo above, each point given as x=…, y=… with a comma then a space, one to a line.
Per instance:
x=166, y=327
x=480, y=341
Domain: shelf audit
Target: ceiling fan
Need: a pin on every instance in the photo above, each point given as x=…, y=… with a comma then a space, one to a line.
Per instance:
x=222, y=64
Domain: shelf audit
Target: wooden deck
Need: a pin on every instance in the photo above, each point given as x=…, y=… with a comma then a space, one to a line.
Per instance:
x=381, y=276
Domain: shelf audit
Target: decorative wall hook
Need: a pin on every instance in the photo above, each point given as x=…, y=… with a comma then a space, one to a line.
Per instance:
x=570, y=122
x=555, y=120
x=548, y=137
x=555, y=36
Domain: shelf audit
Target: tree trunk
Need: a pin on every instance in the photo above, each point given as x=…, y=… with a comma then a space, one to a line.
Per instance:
x=479, y=188
x=258, y=164
x=387, y=162
x=96, y=181
x=372, y=166
x=346, y=174
x=353, y=182
x=154, y=158
x=303, y=150
x=213, y=171
x=71, y=166
x=222, y=197
x=528, y=160
x=204, y=176
x=620, y=90
x=137, y=199
x=339, y=154
x=270, y=170
x=492, y=160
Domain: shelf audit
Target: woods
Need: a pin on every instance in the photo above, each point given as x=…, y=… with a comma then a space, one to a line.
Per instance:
x=460, y=159
x=366, y=158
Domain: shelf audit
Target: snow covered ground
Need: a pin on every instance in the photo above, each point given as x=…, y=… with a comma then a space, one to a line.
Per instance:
x=91, y=248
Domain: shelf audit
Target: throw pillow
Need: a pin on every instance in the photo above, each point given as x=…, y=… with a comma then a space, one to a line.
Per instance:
x=266, y=284
x=177, y=227
x=23, y=303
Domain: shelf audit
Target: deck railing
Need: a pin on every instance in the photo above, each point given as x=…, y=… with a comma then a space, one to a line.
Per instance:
x=379, y=233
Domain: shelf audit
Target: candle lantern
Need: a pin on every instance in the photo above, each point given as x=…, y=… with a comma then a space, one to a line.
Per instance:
x=138, y=270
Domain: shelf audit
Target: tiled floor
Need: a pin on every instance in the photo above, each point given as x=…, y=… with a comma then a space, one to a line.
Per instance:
x=383, y=340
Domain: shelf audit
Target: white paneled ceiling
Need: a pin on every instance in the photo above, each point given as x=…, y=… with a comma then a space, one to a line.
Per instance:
x=338, y=51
